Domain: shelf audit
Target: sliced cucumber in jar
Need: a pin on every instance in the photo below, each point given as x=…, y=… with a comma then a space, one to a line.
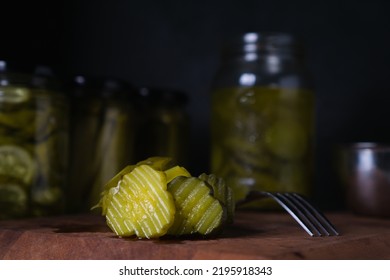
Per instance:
x=14, y=95
x=16, y=162
x=286, y=139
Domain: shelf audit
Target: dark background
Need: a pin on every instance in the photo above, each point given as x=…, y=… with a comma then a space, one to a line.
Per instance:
x=175, y=44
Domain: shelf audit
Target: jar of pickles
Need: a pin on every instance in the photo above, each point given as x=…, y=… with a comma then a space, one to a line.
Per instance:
x=163, y=124
x=102, y=136
x=262, y=116
x=33, y=143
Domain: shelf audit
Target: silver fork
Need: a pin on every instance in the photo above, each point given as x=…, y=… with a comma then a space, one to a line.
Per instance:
x=308, y=217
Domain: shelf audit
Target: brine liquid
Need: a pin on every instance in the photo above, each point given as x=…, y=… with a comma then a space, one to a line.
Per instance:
x=262, y=139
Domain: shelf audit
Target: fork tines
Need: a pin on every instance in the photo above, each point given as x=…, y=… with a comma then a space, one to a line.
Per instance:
x=311, y=220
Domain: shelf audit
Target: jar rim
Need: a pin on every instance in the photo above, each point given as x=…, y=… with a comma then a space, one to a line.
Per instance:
x=368, y=146
x=263, y=42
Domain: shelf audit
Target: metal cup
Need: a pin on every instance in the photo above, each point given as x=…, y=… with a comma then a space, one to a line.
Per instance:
x=365, y=173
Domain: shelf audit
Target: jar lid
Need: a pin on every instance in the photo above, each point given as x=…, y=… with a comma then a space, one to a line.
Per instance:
x=12, y=73
x=44, y=77
x=105, y=87
x=32, y=75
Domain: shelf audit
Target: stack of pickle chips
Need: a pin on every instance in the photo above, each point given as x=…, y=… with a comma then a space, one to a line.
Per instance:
x=155, y=197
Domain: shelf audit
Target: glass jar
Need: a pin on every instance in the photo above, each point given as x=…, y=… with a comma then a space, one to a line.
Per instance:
x=262, y=116
x=102, y=137
x=163, y=124
x=33, y=144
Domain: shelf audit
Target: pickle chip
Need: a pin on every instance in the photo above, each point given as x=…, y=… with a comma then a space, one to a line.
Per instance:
x=140, y=204
x=16, y=163
x=197, y=211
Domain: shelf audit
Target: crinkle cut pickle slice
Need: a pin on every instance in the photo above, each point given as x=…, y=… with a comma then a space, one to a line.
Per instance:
x=140, y=204
x=197, y=211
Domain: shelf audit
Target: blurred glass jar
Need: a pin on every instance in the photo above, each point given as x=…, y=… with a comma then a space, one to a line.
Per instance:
x=163, y=124
x=102, y=137
x=33, y=143
x=262, y=116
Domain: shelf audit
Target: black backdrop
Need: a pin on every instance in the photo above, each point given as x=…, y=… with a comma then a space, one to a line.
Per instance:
x=175, y=44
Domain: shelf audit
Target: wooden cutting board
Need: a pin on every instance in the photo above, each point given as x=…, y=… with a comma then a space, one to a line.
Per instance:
x=252, y=236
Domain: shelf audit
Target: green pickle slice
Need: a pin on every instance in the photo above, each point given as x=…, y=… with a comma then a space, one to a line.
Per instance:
x=140, y=204
x=197, y=210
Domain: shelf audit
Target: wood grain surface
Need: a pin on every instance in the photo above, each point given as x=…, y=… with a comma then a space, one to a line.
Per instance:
x=252, y=236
